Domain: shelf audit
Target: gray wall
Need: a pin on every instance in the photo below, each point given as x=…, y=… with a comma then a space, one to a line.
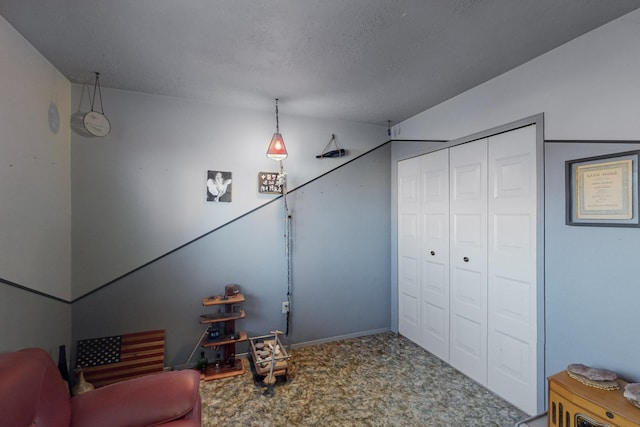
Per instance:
x=28, y=319
x=168, y=294
x=341, y=229
x=341, y=251
x=591, y=278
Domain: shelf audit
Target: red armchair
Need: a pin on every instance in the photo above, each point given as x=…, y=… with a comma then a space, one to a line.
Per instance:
x=33, y=393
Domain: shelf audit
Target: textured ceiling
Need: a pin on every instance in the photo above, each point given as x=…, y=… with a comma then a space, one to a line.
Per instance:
x=362, y=60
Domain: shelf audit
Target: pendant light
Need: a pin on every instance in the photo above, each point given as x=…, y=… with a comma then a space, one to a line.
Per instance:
x=277, y=150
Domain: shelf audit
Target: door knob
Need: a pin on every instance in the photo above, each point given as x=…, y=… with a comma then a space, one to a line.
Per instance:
x=432, y=253
x=465, y=259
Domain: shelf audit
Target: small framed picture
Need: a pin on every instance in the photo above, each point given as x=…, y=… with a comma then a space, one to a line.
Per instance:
x=218, y=186
x=269, y=183
x=603, y=191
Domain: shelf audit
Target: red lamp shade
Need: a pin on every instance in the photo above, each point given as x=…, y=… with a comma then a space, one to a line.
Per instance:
x=277, y=150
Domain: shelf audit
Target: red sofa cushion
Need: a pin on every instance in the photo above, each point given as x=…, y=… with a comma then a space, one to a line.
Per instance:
x=146, y=401
x=32, y=392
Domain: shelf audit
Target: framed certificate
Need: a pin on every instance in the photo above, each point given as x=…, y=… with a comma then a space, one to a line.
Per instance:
x=603, y=190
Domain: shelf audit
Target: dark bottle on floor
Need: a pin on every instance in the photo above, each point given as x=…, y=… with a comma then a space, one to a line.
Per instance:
x=202, y=363
x=62, y=365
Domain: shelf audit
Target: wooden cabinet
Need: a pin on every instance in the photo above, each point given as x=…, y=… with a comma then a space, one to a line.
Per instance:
x=229, y=310
x=573, y=404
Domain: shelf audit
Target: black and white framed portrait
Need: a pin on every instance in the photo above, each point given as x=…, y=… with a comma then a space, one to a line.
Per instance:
x=218, y=186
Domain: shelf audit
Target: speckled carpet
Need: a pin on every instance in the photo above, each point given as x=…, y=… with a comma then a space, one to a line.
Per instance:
x=376, y=380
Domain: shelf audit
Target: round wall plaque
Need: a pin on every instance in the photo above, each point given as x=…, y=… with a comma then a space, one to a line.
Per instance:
x=54, y=118
x=96, y=123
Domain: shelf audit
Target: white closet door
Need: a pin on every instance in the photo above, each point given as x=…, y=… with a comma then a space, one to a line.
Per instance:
x=512, y=267
x=468, y=277
x=435, y=253
x=409, y=249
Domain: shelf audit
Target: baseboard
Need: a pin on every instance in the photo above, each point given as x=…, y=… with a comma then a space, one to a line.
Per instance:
x=339, y=337
x=537, y=421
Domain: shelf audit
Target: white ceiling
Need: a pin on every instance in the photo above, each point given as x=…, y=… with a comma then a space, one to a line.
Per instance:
x=361, y=60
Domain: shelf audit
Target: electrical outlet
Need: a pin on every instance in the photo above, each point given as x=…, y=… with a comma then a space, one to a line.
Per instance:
x=285, y=307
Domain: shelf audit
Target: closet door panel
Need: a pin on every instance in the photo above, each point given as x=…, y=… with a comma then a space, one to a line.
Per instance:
x=435, y=253
x=512, y=276
x=409, y=249
x=468, y=339
x=468, y=259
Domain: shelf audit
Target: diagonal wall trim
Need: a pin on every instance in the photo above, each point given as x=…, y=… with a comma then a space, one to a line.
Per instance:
x=33, y=291
x=226, y=224
x=44, y=294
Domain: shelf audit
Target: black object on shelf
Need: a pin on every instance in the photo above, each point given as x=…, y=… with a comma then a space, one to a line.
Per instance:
x=337, y=152
x=333, y=153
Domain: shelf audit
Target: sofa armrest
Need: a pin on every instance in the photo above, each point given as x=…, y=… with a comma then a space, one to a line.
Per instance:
x=144, y=401
x=182, y=423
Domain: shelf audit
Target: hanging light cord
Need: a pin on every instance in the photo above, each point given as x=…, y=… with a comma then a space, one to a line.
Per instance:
x=97, y=86
x=287, y=241
x=84, y=87
x=287, y=227
x=277, y=122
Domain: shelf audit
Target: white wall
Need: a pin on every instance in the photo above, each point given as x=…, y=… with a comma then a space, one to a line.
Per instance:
x=35, y=218
x=140, y=192
x=35, y=200
x=588, y=90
